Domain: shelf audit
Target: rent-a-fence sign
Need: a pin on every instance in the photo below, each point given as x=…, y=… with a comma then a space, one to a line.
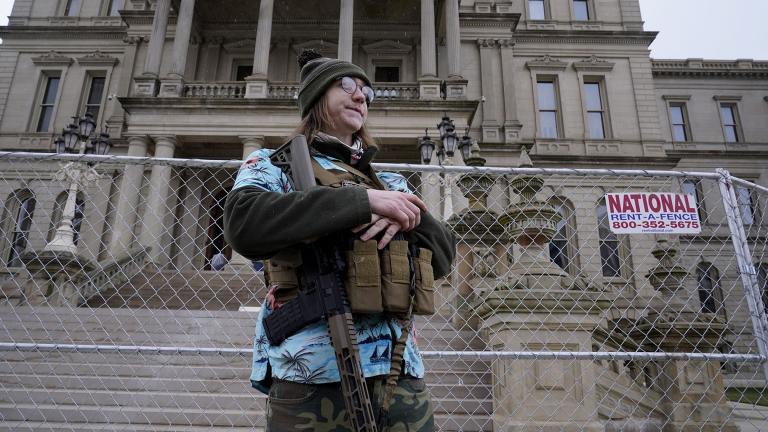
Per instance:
x=652, y=213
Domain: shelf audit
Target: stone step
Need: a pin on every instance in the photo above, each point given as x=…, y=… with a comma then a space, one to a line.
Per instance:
x=31, y=426
x=132, y=415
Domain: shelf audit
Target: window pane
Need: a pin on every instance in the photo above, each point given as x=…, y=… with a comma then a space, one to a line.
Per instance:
x=536, y=9
x=609, y=255
x=387, y=74
x=45, y=118
x=596, y=129
x=592, y=96
x=727, y=113
x=707, y=277
x=547, y=96
x=580, y=10
x=730, y=134
x=97, y=89
x=243, y=72
x=51, y=88
x=548, y=124
x=676, y=113
x=73, y=8
x=115, y=6
x=745, y=205
x=678, y=133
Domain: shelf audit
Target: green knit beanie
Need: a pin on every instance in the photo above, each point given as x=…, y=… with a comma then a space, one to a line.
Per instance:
x=318, y=73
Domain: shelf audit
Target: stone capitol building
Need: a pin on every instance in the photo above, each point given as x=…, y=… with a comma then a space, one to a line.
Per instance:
x=543, y=83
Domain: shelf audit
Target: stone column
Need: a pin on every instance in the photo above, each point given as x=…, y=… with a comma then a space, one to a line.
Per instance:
x=173, y=85
x=155, y=227
x=130, y=189
x=257, y=86
x=512, y=125
x=429, y=84
x=116, y=120
x=541, y=308
x=346, y=23
x=489, y=53
x=456, y=85
x=147, y=85
x=251, y=144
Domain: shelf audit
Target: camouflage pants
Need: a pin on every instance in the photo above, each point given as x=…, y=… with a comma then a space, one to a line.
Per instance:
x=320, y=407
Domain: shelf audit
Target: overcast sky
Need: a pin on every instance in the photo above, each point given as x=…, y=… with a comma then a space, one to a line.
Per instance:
x=712, y=29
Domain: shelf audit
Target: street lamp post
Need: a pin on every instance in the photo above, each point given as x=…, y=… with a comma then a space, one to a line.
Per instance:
x=75, y=139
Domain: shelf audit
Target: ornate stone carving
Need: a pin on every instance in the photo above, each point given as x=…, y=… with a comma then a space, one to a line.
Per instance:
x=387, y=47
x=52, y=58
x=97, y=58
x=546, y=62
x=133, y=40
x=487, y=43
x=593, y=63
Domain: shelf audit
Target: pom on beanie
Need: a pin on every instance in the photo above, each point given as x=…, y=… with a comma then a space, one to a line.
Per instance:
x=318, y=73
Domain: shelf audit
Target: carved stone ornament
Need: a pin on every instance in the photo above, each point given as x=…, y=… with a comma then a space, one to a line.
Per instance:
x=387, y=47
x=487, y=43
x=133, y=40
x=97, y=58
x=484, y=260
x=52, y=58
x=593, y=63
x=546, y=62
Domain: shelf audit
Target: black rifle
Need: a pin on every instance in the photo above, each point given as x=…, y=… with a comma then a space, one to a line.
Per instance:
x=322, y=294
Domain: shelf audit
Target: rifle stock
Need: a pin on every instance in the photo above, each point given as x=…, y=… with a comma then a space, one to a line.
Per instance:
x=321, y=275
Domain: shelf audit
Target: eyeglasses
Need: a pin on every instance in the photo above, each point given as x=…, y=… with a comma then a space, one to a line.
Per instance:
x=350, y=85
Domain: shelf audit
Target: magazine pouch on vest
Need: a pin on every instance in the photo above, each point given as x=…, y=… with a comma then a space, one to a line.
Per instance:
x=395, y=277
x=280, y=271
x=424, y=300
x=363, y=281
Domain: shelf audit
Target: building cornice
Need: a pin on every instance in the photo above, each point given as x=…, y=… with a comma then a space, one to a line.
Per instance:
x=145, y=17
x=57, y=33
x=695, y=68
x=584, y=37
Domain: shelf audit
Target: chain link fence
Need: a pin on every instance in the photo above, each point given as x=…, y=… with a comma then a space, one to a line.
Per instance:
x=123, y=308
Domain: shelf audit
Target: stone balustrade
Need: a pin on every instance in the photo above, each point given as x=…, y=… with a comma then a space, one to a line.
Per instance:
x=225, y=90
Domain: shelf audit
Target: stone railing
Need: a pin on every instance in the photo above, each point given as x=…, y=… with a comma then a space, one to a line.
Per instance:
x=113, y=273
x=225, y=90
x=283, y=90
x=400, y=91
x=290, y=90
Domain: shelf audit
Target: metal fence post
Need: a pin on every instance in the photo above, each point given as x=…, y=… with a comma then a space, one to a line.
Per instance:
x=746, y=267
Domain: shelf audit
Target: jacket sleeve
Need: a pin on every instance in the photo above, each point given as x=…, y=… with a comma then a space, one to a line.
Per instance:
x=259, y=223
x=437, y=237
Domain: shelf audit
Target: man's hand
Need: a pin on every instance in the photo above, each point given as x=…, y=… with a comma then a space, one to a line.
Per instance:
x=378, y=224
x=403, y=208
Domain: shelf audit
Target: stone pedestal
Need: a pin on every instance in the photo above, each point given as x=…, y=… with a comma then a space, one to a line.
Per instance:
x=693, y=392
x=429, y=89
x=145, y=86
x=55, y=278
x=171, y=87
x=256, y=88
x=455, y=89
x=541, y=308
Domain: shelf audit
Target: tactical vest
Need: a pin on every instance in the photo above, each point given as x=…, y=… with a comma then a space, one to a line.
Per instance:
x=394, y=280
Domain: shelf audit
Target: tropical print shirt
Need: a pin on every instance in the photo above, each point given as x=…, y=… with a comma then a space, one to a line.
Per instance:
x=308, y=356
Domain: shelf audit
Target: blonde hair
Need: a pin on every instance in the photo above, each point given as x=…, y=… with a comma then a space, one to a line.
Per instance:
x=319, y=119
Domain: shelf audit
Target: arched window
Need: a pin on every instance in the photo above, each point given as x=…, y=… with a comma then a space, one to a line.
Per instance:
x=710, y=294
x=610, y=245
x=563, y=247
x=19, y=209
x=58, y=210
